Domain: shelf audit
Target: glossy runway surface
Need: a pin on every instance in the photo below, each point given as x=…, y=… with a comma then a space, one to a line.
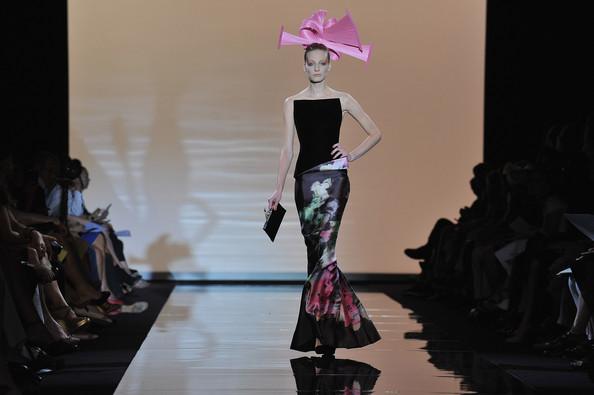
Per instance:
x=235, y=340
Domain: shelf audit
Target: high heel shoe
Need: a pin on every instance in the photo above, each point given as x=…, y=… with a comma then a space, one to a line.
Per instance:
x=557, y=346
x=101, y=300
x=421, y=252
x=68, y=320
x=95, y=313
x=23, y=373
x=57, y=347
x=110, y=309
x=60, y=347
x=39, y=360
x=91, y=302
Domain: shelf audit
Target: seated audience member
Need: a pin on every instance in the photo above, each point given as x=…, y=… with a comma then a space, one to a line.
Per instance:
x=114, y=273
x=504, y=252
x=26, y=263
x=32, y=211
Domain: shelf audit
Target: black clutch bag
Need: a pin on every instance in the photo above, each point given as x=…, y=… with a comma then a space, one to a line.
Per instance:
x=273, y=221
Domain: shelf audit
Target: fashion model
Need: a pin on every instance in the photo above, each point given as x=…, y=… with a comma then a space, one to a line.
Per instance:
x=331, y=315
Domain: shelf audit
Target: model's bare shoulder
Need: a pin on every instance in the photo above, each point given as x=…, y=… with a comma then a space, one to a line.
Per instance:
x=336, y=93
x=288, y=106
x=346, y=100
x=288, y=103
x=298, y=95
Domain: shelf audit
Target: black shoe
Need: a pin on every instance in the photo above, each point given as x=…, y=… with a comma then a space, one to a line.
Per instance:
x=325, y=350
x=60, y=347
x=558, y=345
x=41, y=361
x=579, y=351
x=586, y=363
x=418, y=253
x=102, y=299
x=23, y=377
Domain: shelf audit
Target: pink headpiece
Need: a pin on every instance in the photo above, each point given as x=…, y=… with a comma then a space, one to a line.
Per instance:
x=339, y=36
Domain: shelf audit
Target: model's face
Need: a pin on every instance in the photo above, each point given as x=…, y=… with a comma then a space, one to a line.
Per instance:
x=317, y=65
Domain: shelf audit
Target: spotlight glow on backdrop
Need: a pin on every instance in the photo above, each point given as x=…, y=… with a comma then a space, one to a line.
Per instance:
x=176, y=109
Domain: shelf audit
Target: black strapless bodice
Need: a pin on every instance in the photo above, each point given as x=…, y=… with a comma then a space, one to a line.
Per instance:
x=318, y=128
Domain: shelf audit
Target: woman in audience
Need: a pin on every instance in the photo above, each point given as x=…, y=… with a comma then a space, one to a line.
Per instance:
x=114, y=274
x=27, y=264
x=42, y=262
x=512, y=251
x=30, y=189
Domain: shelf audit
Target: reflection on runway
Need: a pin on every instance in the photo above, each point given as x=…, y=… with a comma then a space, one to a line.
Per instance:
x=235, y=339
x=327, y=375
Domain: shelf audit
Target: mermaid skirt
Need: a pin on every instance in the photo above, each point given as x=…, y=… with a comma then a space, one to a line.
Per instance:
x=330, y=310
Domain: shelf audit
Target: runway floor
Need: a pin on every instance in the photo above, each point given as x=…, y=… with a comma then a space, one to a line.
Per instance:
x=235, y=340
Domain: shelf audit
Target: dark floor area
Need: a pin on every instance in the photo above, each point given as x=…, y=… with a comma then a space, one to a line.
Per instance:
x=483, y=354
x=98, y=366
x=455, y=343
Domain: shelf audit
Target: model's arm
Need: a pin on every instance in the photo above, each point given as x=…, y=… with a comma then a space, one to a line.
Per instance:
x=286, y=155
x=373, y=133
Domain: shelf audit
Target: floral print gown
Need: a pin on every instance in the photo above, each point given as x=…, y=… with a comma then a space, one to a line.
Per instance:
x=330, y=310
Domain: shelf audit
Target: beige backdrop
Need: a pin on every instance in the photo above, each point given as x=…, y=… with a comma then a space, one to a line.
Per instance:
x=175, y=107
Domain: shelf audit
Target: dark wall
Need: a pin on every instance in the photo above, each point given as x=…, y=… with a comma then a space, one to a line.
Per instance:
x=538, y=73
x=35, y=68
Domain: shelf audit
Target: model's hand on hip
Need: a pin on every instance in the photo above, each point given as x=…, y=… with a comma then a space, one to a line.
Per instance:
x=338, y=151
x=274, y=199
